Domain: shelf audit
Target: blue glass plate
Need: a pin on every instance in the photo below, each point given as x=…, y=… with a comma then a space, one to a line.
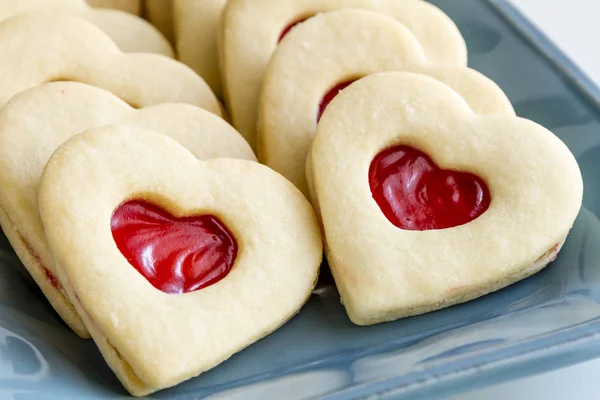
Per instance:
x=547, y=321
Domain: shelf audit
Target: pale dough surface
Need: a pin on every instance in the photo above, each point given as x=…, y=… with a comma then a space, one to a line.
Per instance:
x=34, y=123
x=131, y=6
x=197, y=26
x=383, y=272
x=154, y=340
x=160, y=13
x=335, y=47
x=250, y=31
x=130, y=33
x=45, y=46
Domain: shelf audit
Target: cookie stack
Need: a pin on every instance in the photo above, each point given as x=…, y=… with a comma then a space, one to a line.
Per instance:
x=150, y=226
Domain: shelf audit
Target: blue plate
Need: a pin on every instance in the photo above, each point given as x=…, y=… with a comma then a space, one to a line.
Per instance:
x=547, y=321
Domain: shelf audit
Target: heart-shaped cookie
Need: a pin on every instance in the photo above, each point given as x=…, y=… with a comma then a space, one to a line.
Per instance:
x=35, y=122
x=326, y=53
x=197, y=26
x=130, y=33
x=251, y=30
x=47, y=47
x=392, y=255
x=152, y=339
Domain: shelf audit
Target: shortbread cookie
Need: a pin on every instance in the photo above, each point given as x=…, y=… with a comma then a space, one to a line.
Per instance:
x=34, y=123
x=241, y=260
x=251, y=30
x=336, y=48
x=197, y=25
x=160, y=13
x=426, y=204
x=47, y=47
x=131, y=6
x=130, y=33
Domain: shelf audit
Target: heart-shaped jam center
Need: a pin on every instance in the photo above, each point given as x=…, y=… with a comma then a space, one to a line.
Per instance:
x=415, y=194
x=176, y=255
x=330, y=95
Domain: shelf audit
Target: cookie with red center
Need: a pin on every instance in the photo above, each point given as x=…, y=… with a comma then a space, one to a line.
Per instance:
x=426, y=204
x=323, y=56
x=197, y=26
x=35, y=122
x=174, y=264
x=130, y=33
x=251, y=30
x=47, y=47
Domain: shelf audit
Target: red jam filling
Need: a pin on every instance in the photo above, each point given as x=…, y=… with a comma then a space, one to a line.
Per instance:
x=289, y=28
x=415, y=194
x=330, y=95
x=51, y=278
x=176, y=255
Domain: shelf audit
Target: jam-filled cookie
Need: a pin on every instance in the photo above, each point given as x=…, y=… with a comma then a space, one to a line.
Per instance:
x=426, y=204
x=47, y=47
x=34, y=123
x=251, y=30
x=174, y=264
x=197, y=26
x=325, y=54
x=130, y=33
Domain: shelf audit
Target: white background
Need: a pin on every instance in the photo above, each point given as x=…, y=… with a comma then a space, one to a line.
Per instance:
x=574, y=25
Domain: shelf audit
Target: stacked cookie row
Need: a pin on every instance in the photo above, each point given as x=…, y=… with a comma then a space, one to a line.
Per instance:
x=148, y=224
x=67, y=85
x=416, y=196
